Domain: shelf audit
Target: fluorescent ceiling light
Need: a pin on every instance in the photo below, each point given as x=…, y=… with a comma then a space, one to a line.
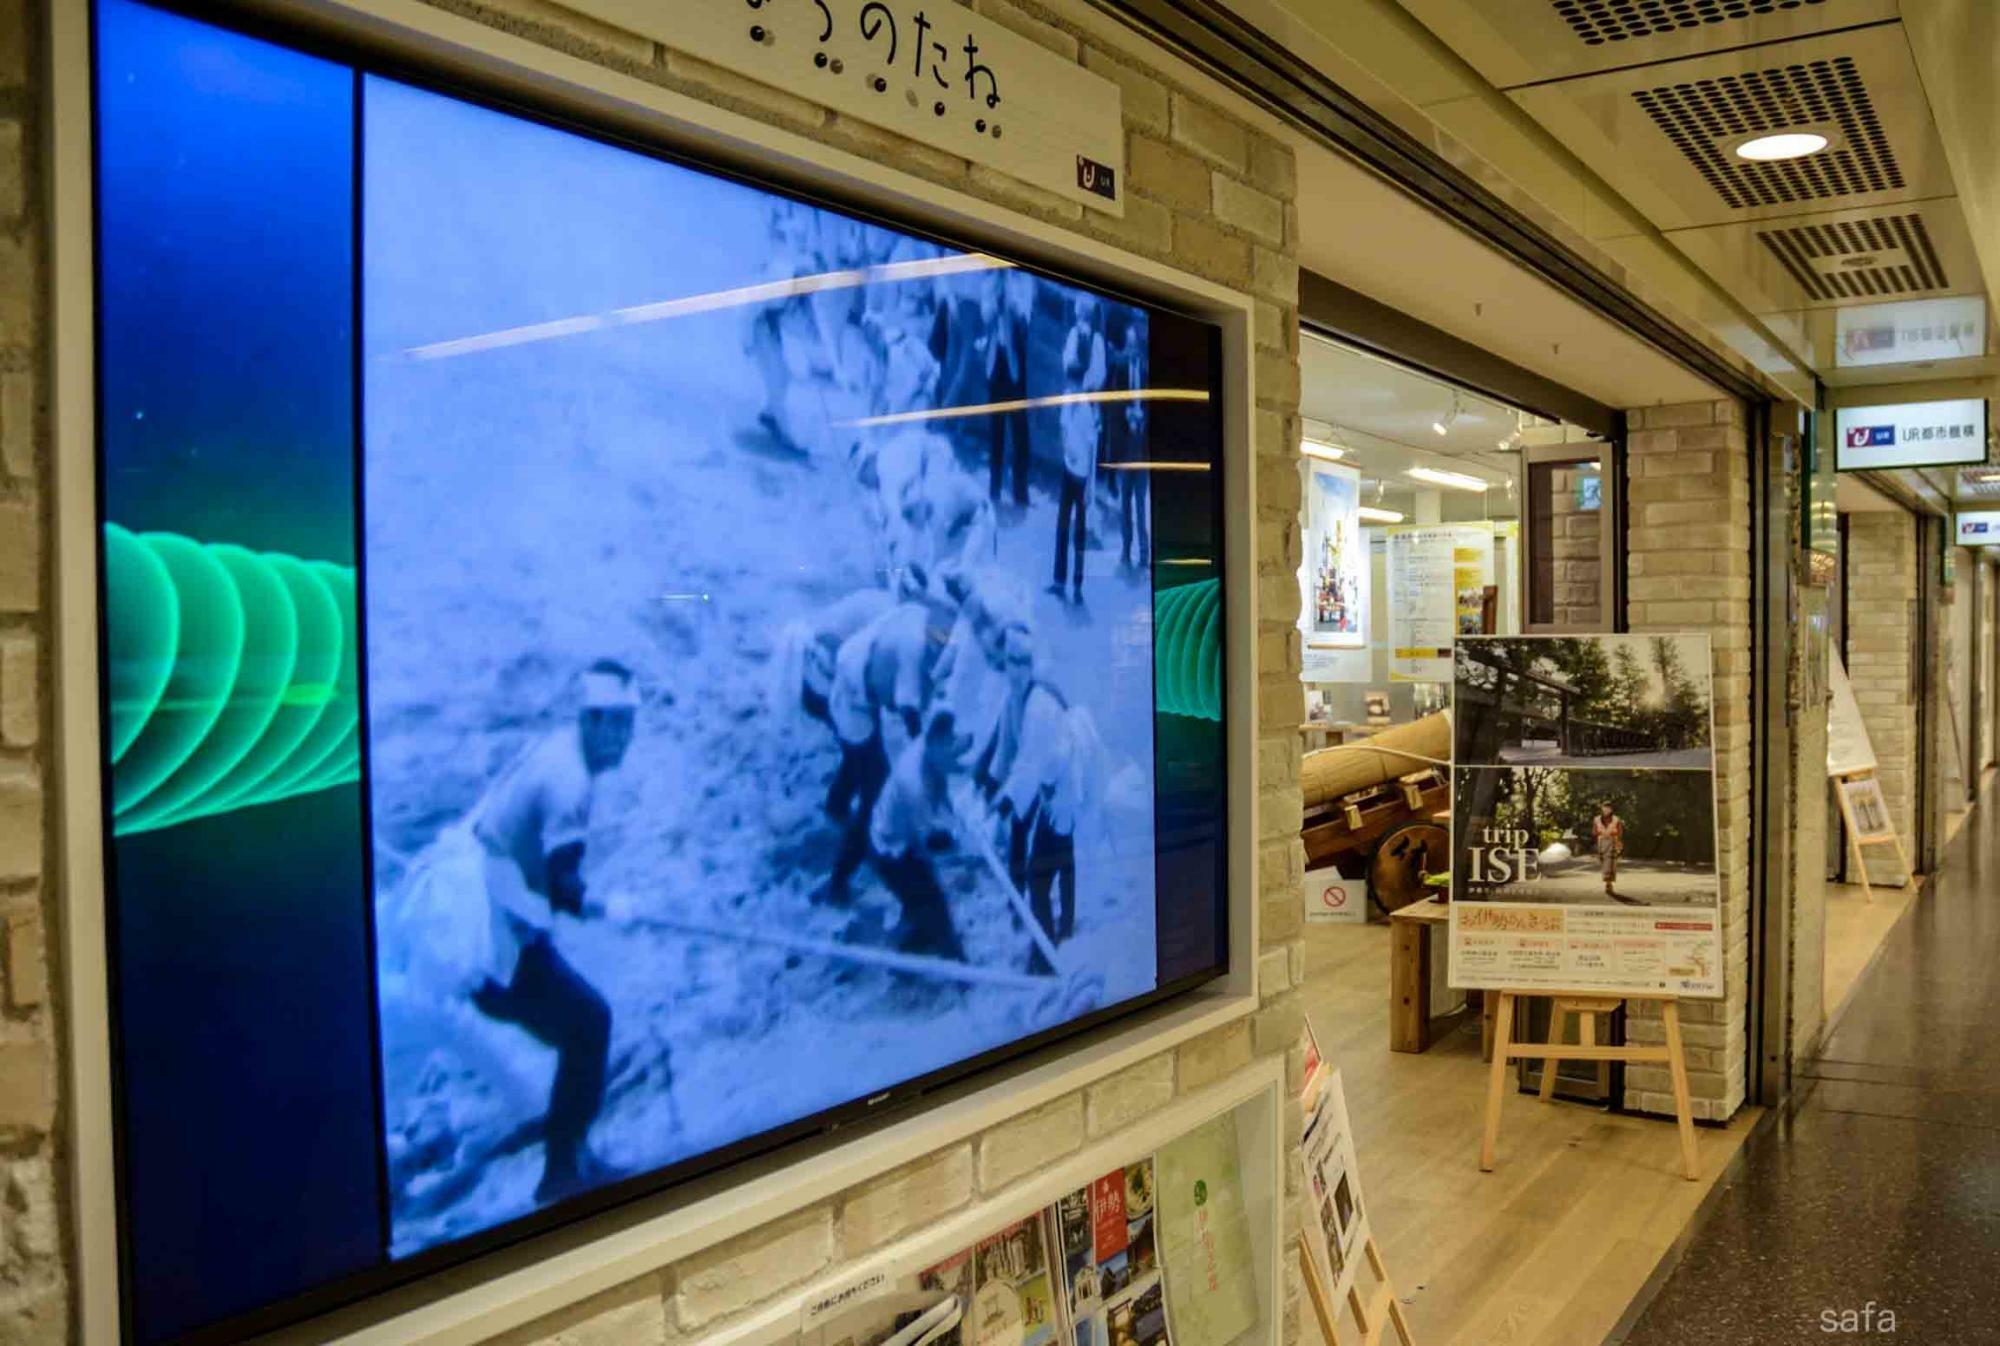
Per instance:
x=1370, y=514
x=1783, y=145
x=1319, y=448
x=1457, y=480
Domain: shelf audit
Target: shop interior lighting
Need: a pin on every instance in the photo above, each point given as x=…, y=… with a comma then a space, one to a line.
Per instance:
x=1370, y=514
x=1443, y=427
x=1320, y=448
x=1458, y=481
x=1782, y=145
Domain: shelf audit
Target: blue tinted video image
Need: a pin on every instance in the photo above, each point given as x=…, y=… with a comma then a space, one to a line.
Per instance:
x=759, y=651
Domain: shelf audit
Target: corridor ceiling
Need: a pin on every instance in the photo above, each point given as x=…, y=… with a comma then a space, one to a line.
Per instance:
x=1619, y=121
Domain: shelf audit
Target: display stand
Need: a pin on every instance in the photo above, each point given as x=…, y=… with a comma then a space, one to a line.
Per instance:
x=1370, y=1314
x=1506, y=1050
x=1859, y=838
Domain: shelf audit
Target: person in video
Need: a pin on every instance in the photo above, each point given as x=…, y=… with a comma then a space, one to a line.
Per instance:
x=1607, y=835
x=1085, y=367
x=1039, y=797
x=1125, y=433
x=883, y=669
x=911, y=825
x=531, y=829
x=1006, y=370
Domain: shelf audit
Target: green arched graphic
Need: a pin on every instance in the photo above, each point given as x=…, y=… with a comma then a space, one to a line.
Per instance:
x=232, y=677
x=1187, y=650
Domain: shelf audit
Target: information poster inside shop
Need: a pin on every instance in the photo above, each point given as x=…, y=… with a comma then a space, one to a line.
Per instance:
x=1334, y=573
x=1583, y=811
x=1441, y=586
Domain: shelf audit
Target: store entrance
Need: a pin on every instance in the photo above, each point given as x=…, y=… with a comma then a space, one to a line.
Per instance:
x=1431, y=511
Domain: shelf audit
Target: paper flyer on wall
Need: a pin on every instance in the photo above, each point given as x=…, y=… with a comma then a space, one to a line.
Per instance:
x=1108, y=1260
x=1335, y=1222
x=1584, y=815
x=1204, y=1236
x=1439, y=581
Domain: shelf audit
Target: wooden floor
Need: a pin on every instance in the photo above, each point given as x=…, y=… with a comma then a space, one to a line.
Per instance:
x=1547, y=1250
x=1856, y=926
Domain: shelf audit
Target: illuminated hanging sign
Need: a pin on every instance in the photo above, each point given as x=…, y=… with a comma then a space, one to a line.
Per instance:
x=1910, y=434
x=1917, y=329
x=937, y=73
x=1979, y=528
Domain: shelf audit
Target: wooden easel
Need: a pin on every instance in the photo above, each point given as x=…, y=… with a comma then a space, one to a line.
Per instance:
x=1856, y=841
x=1506, y=1050
x=1370, y=1314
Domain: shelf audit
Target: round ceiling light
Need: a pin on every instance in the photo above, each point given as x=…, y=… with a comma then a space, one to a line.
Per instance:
x=1784, y=145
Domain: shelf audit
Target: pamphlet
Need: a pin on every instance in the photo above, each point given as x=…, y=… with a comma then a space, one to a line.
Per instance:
x=1002, y=1283
x=1204, y=1236
x=1109, y=1258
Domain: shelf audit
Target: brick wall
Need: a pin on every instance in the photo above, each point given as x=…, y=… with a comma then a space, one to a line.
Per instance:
x=1576, y=544
x=1881, y=593
x=1209, y=194
x=33, y=1293
x=1688, y=569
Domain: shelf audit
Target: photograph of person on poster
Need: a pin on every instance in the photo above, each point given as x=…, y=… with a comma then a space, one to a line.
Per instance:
x=1585, y=837
x=1607, y=836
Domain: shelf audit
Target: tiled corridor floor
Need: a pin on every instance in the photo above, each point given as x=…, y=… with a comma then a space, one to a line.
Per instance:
x=1883, y=1190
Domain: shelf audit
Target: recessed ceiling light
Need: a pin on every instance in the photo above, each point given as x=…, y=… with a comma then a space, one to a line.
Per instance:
x=1319, y=448
x=1370, y=514
x=1783, y=145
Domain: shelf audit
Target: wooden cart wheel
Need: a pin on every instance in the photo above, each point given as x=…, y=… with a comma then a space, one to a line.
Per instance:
x=1401, y=858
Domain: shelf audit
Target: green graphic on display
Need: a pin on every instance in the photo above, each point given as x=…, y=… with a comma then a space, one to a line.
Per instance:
x=1187, y=650
x=232, y=677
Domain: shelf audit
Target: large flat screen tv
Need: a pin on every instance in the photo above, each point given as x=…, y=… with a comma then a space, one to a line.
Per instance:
x=609, y=667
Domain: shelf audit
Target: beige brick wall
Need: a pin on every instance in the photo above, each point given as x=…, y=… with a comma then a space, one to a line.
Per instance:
x=1209, y=193
x=33, y=1279
x=1576, y=540
x=1882, y=579
x=1688, y=569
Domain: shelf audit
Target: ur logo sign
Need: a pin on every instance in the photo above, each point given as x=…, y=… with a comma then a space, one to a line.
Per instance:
x=1868, y=436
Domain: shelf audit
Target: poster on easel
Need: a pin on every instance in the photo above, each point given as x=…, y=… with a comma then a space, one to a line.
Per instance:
x=1584, y=816
x=1867, y=810
x=1334, y=572
x=1441, y=586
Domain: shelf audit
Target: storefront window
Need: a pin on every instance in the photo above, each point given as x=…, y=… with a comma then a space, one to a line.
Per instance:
x=1414, y=533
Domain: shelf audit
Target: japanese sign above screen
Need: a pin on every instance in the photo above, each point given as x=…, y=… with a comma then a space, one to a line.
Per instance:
x=1919, y=329
x=1910, y=434
x=937, y=73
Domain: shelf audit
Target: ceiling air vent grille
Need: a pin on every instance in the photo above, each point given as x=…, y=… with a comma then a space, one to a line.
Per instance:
x=1859, y=259
x=1703, y=116
x=1600, y=21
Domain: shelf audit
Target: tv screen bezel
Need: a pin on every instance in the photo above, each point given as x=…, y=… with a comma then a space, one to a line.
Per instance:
x=369, y=55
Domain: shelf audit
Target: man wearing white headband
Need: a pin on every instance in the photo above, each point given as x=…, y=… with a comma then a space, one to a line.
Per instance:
x=531, y=828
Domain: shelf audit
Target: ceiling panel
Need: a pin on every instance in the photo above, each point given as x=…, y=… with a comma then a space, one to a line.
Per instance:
x=1664, y=135
x=1918, y=250
x=1513, y=42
